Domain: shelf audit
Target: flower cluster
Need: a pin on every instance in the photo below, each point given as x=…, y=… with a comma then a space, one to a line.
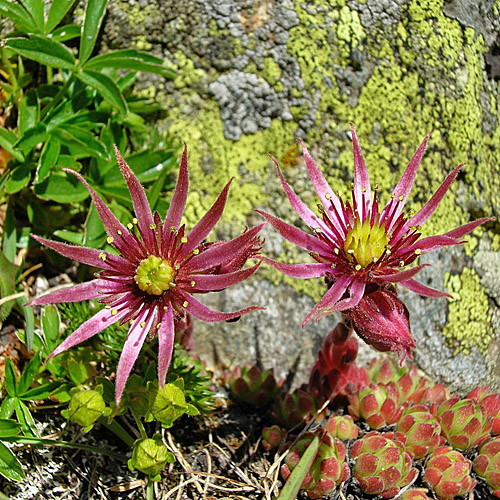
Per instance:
x=362, y=249
x=157, y=269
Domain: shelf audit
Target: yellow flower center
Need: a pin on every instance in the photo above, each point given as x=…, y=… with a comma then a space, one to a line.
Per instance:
x=364, y=243
x=154, y=275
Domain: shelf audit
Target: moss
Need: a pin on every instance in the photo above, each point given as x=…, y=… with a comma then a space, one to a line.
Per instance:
x=467, y=324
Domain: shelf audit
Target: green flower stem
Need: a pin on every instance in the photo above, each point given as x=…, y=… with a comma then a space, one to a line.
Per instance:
x=150, y=492
x=64, y=444
x=57, y=97
x=118, y=430
x=8, y=67
x=50, y=75
x=139, y=424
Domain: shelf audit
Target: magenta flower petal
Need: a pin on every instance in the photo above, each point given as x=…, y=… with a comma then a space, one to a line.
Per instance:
x=362, y=189
x=206, y=223
x=201, y=311
x=331, y=297
x=166, y=334
x=300, y=270
x=210, y=282
x=360, y=249
x=294, y=235
x=91, y=327
x=176, y=209
x=402, y=190
x=427, y=291
x=140, y=202
x=133, y=345
x=461, y=231
x=214, y=255
x=89, y=256
x=125, y=243
x=76, y=293
x=150, y=283
x=428, y=209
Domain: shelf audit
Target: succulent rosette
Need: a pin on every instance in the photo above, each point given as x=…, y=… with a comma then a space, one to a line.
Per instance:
x=273, y=436
x=249, y=383
x=382, y=466
x=342, y=427
x=419, y=430
x=447, y=471
x=362, y=250
x=328, y=469
x=157, y=269
x=377, y=404
x=464, y=423
x=490, y=401
x=487, y=464
x=296, y=408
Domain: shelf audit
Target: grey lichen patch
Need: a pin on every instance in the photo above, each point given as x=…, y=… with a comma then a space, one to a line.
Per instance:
x=247, y=103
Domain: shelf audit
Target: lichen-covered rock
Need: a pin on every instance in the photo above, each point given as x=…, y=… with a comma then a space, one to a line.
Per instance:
x=253, y=76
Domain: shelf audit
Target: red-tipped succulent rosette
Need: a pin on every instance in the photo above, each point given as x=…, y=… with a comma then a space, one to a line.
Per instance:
x=361, y=249
x=157, y=269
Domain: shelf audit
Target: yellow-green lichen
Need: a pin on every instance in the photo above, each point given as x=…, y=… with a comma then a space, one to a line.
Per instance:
x=467, y=324
x=350, y=33
x=136, y=14
x=187, y=74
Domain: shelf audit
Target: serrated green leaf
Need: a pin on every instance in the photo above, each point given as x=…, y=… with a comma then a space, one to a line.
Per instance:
x=50, y=326
x=62, y=188
x=129, y=59
x=48, y=159
x=9, y=427
x=294, y=481
x=10, y=234
x=21, y=18
x=10, y=467
x=28, y=375
x=29, y=112
x=40, y=392
x=105, y=86
x=7, y=407
x=58, y=9
x=94, y=14
x=10, y=378
x=29, y=322
x=32, y=137
x=7, y=284
x=35, y=8
x=25, y=418
x=19, y=178
x=79, y=141
x=7, y=141
x=66, y=32
x=43, y=50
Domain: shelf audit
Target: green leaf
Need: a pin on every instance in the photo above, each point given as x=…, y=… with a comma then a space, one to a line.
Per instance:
x=10, y=379
x=94, y=14
x=106, y=87
x=61, y=187
x=29, y=322
x=50, y=326
x=43, y=50
x=28, y=375
x=19, y=178
x=77, y=372
x=130, y=59
x=48, y=159
x=10, y=234
x=8, y=406
x=40, y=392
x=71, y=236
x=25, y=418
x=58, y=9
x=10, y=467
x=35, y=8
x=66, y=32
x=7, y=141
x=18, y=14
x=80, y=141
x=294, y=482
x=7, y=284
x=95, y=234
x=9, y=427
x=32, y=137
x=29, y=112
